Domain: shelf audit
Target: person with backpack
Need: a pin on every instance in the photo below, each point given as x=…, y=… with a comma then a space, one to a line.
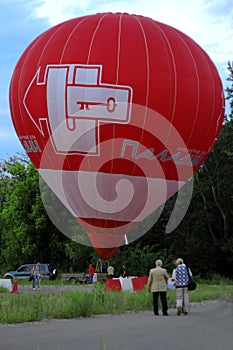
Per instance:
x=181, y=275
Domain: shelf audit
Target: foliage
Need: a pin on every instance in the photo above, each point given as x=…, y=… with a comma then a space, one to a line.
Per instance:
x=27, y=234
x=229, y=89
x=138, y=259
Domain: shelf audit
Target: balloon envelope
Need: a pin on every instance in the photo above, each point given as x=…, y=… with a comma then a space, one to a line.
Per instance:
x=116, y=112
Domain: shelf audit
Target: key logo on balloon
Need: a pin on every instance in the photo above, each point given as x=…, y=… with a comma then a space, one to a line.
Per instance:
x=75, y=94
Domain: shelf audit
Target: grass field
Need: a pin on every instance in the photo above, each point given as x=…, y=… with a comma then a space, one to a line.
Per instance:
x=16, y=308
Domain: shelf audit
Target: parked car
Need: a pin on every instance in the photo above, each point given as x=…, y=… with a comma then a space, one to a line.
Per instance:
x=48, y=271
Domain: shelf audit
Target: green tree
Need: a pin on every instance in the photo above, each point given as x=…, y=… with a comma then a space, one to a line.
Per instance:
x=229, y=89
x=26, y=232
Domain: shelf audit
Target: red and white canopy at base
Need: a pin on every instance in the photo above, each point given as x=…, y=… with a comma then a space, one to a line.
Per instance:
x=129, y=284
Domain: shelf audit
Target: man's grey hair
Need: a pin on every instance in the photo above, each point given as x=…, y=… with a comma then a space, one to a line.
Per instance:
x=159, y=263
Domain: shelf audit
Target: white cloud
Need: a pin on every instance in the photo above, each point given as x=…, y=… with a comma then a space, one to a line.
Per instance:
x=208, y=22
x=62, y=10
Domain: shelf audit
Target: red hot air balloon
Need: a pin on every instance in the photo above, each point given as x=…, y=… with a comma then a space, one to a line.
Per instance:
x=116, y=112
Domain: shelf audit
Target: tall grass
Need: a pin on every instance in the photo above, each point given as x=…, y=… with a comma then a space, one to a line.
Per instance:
x=36, y=306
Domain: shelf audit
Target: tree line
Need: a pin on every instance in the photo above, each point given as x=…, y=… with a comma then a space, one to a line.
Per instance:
x=204, y=239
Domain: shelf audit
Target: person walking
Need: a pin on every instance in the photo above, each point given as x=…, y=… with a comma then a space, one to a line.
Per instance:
x=157, y=284
x=36, y=276
x=181, y=277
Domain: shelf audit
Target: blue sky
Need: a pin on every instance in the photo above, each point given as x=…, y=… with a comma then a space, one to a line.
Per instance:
x=208, y=22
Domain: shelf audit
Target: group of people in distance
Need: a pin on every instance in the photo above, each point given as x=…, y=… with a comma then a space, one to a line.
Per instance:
x=157, y=285
x=91, y=270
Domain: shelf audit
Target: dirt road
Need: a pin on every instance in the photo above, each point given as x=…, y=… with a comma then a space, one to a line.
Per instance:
x=47, y=289
x=209, y=326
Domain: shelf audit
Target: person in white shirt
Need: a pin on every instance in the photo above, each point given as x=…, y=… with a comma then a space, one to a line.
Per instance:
x=110, y=271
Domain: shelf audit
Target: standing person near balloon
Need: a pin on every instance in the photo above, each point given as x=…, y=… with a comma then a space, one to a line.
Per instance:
x=91, y=271
x=181, y=278
x=124, y=271
x=157, y=284
x=110, y=271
